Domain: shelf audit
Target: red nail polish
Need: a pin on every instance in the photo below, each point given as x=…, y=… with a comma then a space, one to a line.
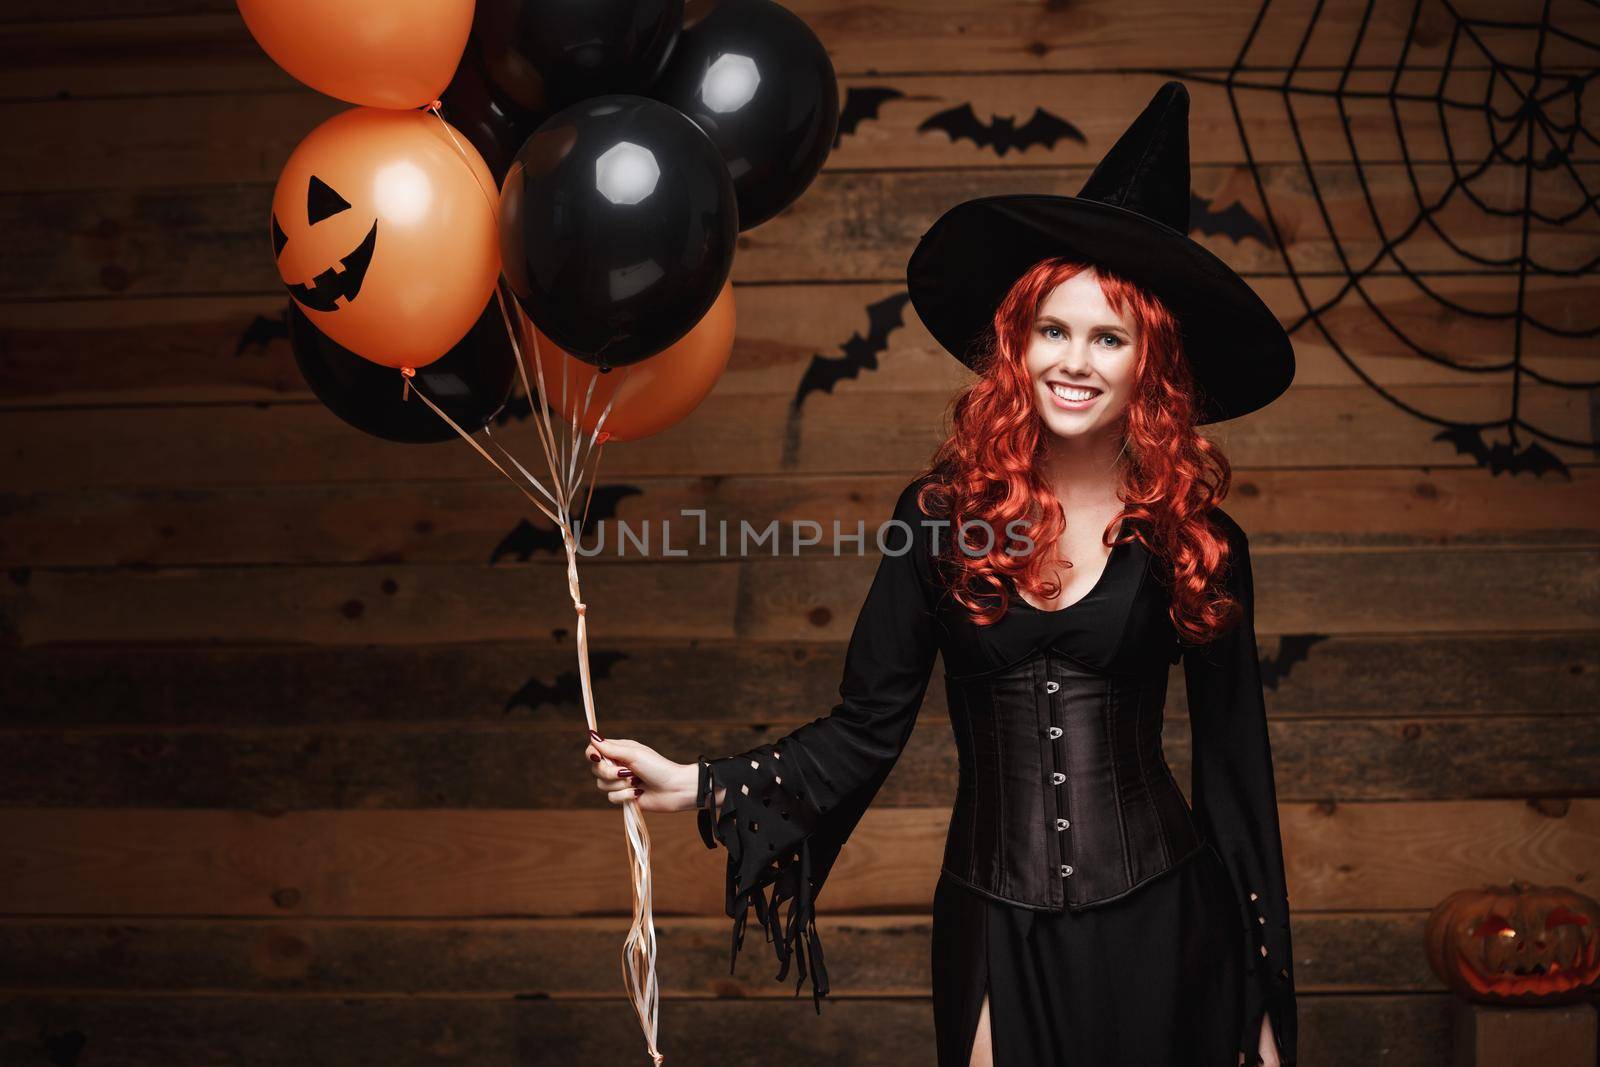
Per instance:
x=623, y=772
x=593, y=758
x=596, y=736
x=638, y=790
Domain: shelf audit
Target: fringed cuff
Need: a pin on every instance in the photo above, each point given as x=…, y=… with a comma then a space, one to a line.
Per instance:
x=789, y=873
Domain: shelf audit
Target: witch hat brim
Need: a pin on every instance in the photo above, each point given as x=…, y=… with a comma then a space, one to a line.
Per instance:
x=1131, y=217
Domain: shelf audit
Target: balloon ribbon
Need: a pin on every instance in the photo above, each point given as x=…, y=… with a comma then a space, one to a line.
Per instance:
x=574, y=458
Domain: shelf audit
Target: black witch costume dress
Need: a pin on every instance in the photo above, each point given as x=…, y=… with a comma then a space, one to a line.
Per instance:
x=1110, y=922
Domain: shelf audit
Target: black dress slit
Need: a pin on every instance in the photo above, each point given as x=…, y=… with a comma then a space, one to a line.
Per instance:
x=1146, y=981
x=960, y=973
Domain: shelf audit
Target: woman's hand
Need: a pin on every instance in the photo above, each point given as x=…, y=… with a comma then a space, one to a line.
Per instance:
x=628, y=770
x=1266, y=1045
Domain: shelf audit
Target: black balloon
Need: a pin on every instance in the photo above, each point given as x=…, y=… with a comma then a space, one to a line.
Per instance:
x=617, y=227
x=758, y=81
x=546, y=54
x=470, y=383
x=495, y=125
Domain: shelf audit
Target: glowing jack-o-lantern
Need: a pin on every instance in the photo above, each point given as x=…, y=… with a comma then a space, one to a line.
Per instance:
x=1516, y=944
x=385, y=233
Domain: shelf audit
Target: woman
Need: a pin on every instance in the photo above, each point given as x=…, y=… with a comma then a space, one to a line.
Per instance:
x=1065, y=549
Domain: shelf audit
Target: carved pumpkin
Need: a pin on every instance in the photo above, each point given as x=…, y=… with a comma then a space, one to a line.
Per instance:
x=1516, y=944
x=385, y=234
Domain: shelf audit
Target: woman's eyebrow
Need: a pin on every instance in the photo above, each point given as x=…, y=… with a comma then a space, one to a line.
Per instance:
x=1102, y=326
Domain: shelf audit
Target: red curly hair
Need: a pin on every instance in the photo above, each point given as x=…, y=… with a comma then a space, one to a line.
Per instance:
x=989, y=469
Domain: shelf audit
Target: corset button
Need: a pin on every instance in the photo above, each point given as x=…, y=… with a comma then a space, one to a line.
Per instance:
x=1062, y=824
x=1054, y=732
x=1051, y=687
x=1056, y=778
x=1066, y=869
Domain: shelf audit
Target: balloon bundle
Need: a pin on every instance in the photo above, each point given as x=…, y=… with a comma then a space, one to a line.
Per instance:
x=596, y=160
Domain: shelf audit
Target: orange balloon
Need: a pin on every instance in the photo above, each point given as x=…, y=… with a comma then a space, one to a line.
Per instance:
x=381, y=53
x=648, y=396
x=386, y=233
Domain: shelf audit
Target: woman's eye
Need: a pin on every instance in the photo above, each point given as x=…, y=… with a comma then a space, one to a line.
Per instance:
x=1049, y=329
x=1113, y=337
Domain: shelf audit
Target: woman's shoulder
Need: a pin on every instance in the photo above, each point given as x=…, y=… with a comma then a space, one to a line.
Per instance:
x=920, y=529
x=908, y=507
x=1228, y=527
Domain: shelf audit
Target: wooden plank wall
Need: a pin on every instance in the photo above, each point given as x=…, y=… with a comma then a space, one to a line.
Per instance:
x=291, y=764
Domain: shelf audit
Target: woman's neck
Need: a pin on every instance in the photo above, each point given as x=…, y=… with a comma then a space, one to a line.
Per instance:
x=1082, y=471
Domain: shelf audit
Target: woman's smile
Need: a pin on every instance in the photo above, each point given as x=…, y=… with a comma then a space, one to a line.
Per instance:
x=1073, y=397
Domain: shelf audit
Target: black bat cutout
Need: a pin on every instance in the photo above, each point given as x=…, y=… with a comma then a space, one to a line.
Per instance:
x=860, y=353
x=1001, y=133
x=1292, y=649
x=1502, y=456
x=262, y=331
x=860, y=104
x=515, y=408
x=525, y=538
x=518, y=408
x=567, y=689
x=1232, y=221
x=63, y=1049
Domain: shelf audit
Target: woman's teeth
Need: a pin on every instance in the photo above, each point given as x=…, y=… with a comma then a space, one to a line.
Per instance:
x=1073, y=393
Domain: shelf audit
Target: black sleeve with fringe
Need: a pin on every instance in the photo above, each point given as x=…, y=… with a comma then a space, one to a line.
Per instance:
x=791, y=804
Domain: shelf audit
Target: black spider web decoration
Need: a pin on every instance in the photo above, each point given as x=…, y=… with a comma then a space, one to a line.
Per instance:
x=1539, y=134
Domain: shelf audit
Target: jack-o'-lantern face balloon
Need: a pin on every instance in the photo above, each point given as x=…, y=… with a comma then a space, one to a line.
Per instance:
x=385, y=233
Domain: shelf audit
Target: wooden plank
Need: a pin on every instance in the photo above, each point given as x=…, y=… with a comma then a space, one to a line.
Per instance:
x=1336, y=1031
x=1412, y=1031
x=151, y=142
x=900, y=35
x=535, y=682
x=470, y=522
x=299, y=606
x=868, y=955
x=1099, y=104
x=195, y=447
x=522, y=681
x=1414, y=597
x=539, y=862
x=1465, y=590
x=119, y=52
x=862, y=226
x=216, y=349
x=542, y=766
x=856, y=226
x=215, y=132
x=1505, y=1035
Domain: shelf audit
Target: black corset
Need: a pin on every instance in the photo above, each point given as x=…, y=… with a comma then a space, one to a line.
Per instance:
x=1064, y=798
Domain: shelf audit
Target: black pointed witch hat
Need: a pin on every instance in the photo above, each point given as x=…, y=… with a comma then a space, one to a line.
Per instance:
x=1132, y=217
